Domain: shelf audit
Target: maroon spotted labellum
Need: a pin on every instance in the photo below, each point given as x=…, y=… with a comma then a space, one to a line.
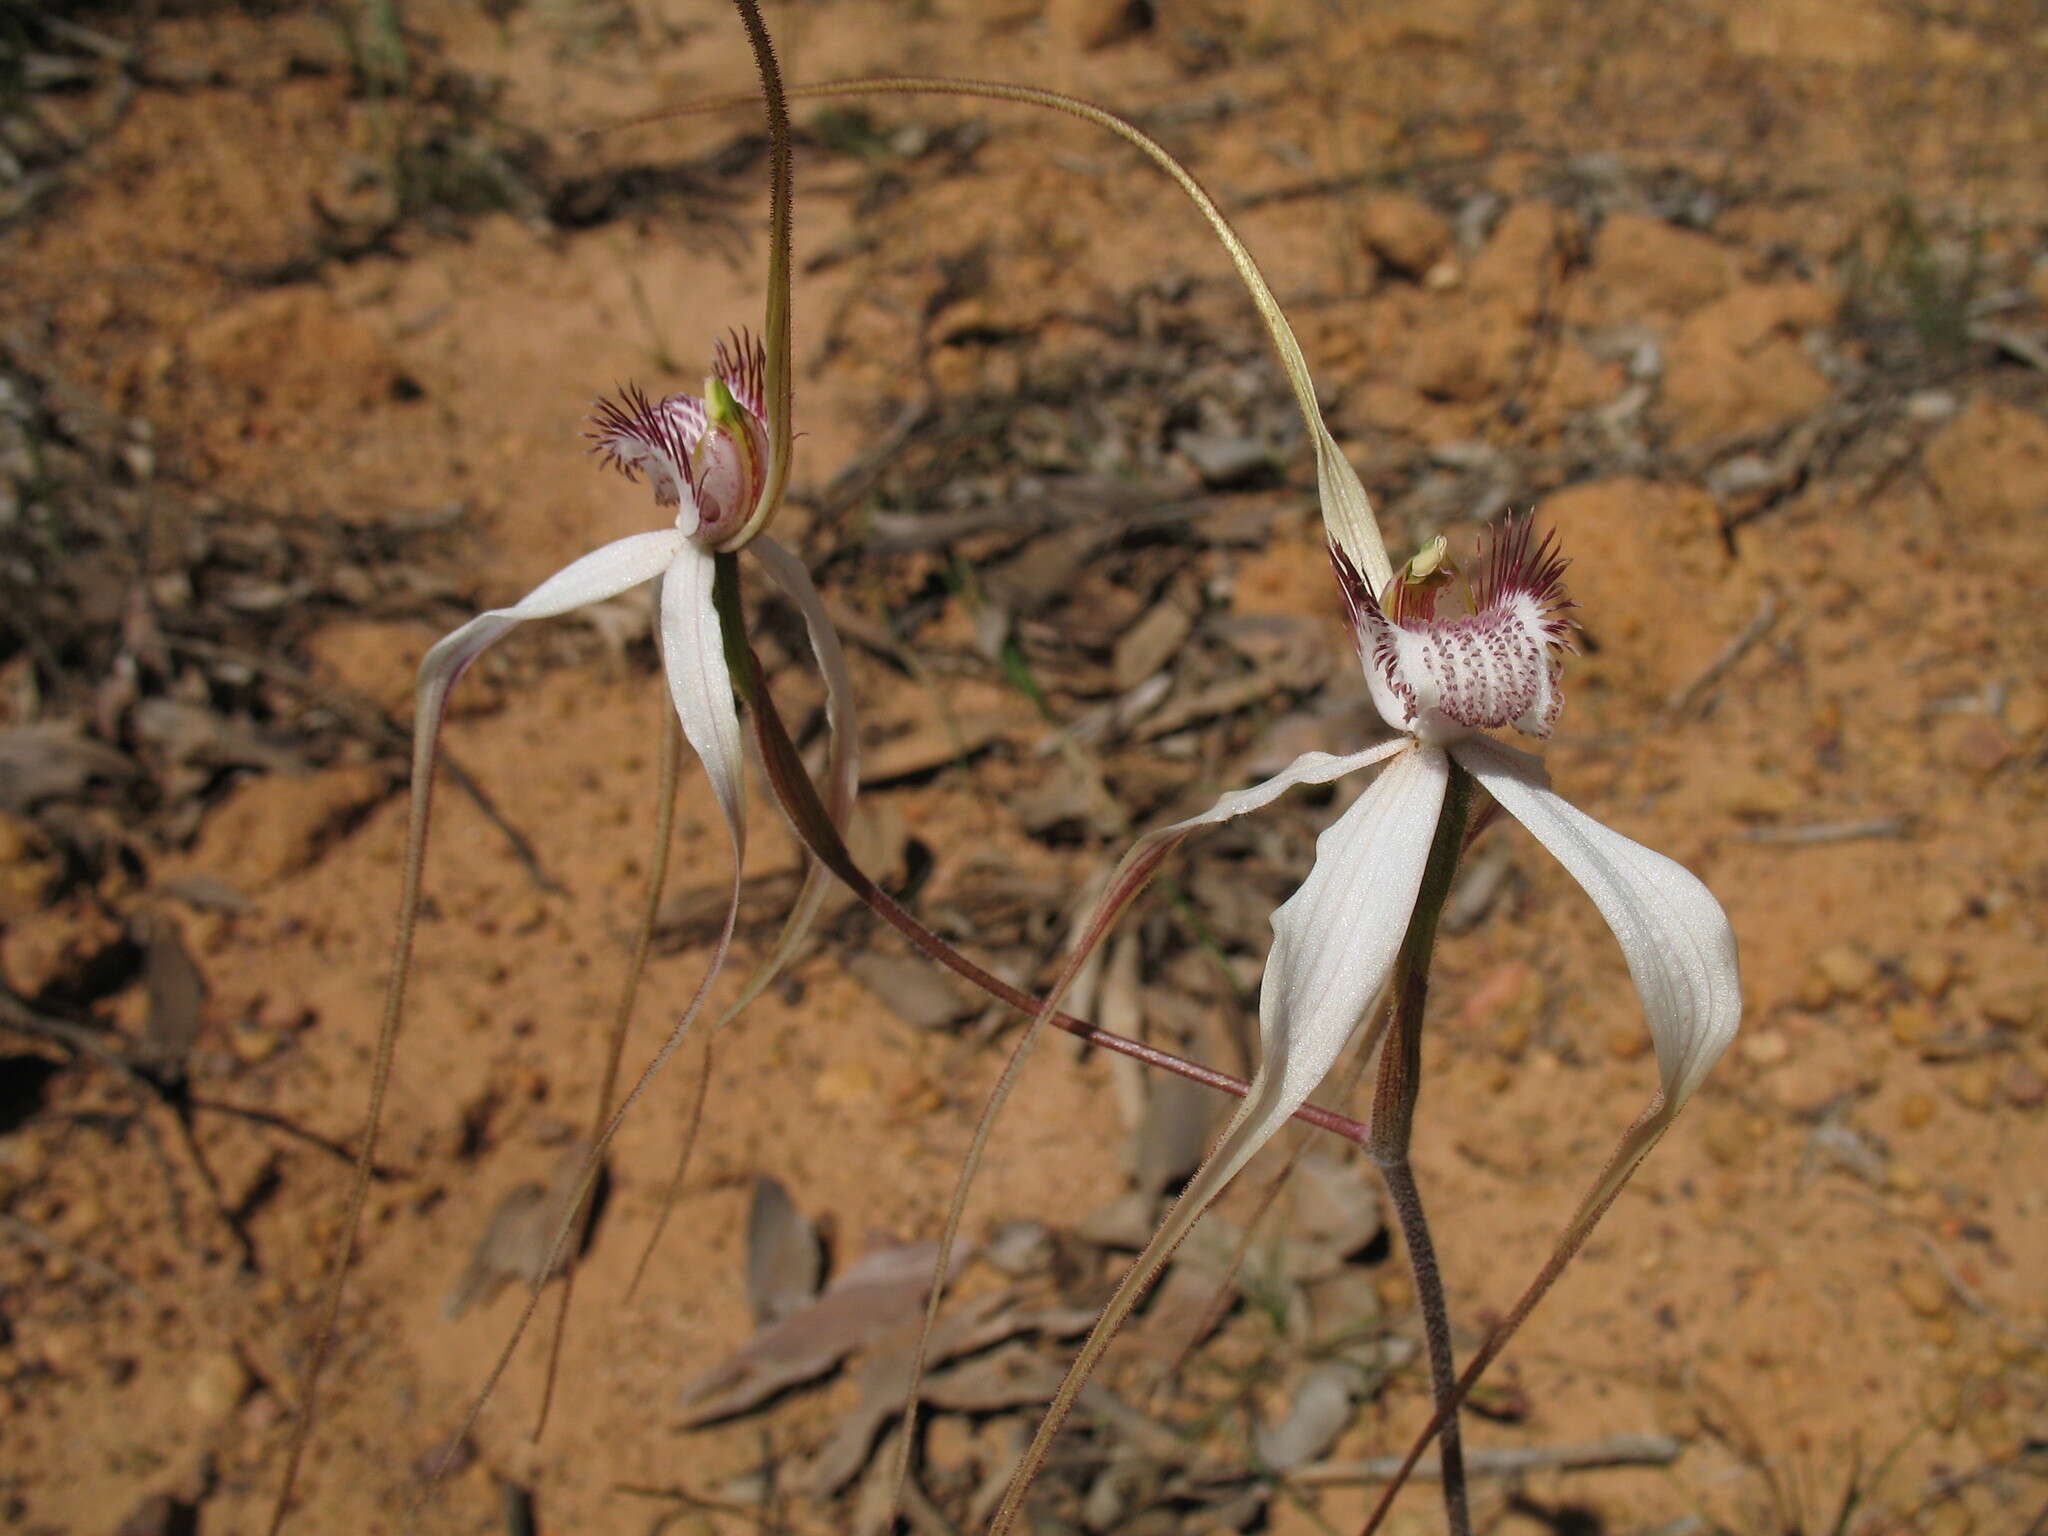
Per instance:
x=1444, y=658
x=707, y=457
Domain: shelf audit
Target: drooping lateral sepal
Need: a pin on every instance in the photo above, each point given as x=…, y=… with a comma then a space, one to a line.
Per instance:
x=1673, y=933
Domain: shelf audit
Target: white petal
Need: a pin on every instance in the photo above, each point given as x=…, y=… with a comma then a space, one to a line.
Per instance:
x=1137, y=867
x=1309, y=768
x=693, y=656
x=603, y=573
x=1673, y=933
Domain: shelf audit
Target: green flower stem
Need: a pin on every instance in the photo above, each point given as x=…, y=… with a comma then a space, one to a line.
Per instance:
x=1393, y=1120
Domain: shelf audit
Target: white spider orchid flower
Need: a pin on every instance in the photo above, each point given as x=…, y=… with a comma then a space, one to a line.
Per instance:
x=715, y=460
x=1441, y=679
x=710, y=458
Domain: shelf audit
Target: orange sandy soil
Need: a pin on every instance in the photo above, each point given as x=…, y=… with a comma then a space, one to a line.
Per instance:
x=1792, y=1318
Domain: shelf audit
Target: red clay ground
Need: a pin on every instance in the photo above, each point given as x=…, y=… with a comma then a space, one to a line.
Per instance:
x=1750, y=296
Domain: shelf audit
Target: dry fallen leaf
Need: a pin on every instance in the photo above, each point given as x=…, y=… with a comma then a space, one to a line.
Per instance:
x=785, y=1261
x=915, y=990
x=1000, y=1381
x=1318, y=1415
x=52, y=762
x=882, y=1290
x=177, y=996
x=515, y=1245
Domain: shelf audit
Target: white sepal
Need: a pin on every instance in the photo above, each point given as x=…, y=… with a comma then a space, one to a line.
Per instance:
x=1334, y=943
x=1673, y=933
x=700, y=683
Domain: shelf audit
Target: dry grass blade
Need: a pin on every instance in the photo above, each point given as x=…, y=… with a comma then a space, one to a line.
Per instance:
x=1619, y=1451
x=622, y=1017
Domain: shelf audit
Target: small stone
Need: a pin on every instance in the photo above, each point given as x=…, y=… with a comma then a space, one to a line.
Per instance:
x=1975, y=1086
x=1912, y=1024
x=846, y=1084
x=252, y=1046
x=1091, y=24
x=1930, y=971
x=2024, y=1087
x=1916, y=1111
x=1942, y=905
x=21, y=1164
x=1940, y=1332
x=1511, y=1038
x=217, y=1385
x=2017, y=1006
x=1808, y=1086
x=1814, y=992
x=2026, y=711
x=1980, y=747
x=2013, y=1348
x=1405, y=232
x=1923, y=1292
x=1766, y=1047
x=1848, y=970
x=1727, y=1138
x=1627, y=1042
x=1932, y=405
